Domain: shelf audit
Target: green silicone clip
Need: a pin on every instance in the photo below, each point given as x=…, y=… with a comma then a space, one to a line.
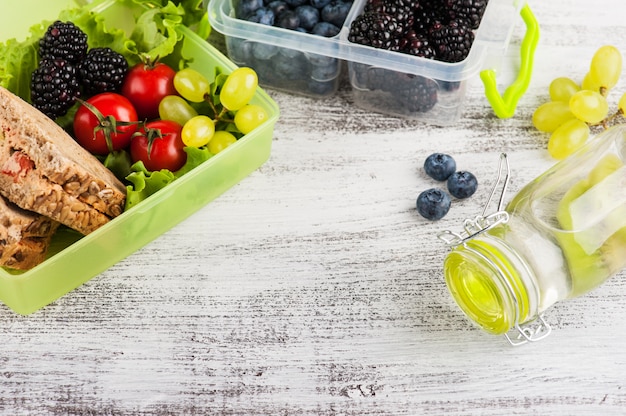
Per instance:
x=504, y=105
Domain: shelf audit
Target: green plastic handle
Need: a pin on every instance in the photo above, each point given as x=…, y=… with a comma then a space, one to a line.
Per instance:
x=504, y=105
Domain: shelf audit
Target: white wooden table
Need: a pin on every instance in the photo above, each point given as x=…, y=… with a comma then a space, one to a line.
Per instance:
x=313, y=287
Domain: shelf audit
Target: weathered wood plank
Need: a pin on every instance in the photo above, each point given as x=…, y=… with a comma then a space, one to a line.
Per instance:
x=314, y=288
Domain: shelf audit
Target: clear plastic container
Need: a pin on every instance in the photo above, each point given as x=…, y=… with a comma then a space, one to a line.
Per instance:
x=560, y=237
x=74, y=259
x=316, y=62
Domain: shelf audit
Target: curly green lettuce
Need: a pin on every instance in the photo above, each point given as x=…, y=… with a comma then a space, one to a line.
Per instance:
x=145, y=183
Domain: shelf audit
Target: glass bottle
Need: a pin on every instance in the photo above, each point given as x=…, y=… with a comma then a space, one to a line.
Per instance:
x=561, y=236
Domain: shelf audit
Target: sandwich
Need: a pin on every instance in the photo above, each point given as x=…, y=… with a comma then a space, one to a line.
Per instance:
x=24, y=236
x=44, y=170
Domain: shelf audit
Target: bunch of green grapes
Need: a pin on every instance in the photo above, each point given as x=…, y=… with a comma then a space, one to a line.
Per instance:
x=231, y=113
x=574, y=108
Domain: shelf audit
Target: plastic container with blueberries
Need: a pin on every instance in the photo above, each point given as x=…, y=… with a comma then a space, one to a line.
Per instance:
x=311, y=65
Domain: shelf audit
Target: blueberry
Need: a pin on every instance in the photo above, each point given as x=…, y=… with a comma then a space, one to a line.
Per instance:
x=278, y=6
x=322, y=60
x=335, y=12
x=439, y=166
x=263, y=15
x=296, y=3
x=264, y=51
x=462, y=184
x=246, y=7
x=265, y=72
x=433, y=204
x=359, y=74
x=325, y=29
x=449, y=85
x=321, y=87
x=308, y=15
x=324, y=72
x=292, y=53
x=319, y=4
x=288, y=20
x=240, y=50
x=290, y=68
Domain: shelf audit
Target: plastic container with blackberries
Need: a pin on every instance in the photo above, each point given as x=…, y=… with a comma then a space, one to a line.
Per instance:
x=407, y=58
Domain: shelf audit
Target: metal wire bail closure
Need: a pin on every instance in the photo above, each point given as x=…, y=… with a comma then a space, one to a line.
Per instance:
x=520, y=333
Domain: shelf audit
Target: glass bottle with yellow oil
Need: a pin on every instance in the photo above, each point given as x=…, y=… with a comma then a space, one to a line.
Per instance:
x=561, y=236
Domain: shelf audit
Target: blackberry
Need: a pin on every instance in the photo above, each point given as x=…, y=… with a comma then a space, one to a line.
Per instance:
x=417, y=94
x=378, y=30
x=423, y=21
x=54, y=87
x=63, y=40
x=102, y=70
x=375, y=6
x=469, y=10
x=452, y=42
x=402, y=10
x=418, y=45
x=378, y=79
x=435, y=10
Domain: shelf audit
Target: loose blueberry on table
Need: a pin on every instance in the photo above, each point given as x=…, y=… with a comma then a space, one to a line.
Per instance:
x=433, y=204
x=439, y=166
x=462, y=184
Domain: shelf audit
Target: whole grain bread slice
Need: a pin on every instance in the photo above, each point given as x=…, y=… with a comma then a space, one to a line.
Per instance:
x=43, y=169
x=24, y=236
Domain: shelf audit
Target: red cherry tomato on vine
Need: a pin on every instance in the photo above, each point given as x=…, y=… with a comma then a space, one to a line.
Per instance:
x=159, y=151
x=105, y=115
x=145, y=86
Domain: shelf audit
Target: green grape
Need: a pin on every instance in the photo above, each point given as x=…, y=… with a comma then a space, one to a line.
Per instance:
x=249, y=117
x=239, y=88
x=606, y=66
x=175, y=108
x=570, y=136
x=198, y=131
x=220, y=141
x=562, y=89
x=191, y=85
x=549, y=116
x=621, y=105
x=590, y=83
x=589, y=106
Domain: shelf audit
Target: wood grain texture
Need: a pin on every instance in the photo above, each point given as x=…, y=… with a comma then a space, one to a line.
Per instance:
x=314, y=288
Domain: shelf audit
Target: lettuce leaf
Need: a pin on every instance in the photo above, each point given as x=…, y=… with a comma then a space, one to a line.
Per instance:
x=195, y=157
x=18, y=60
x=145, y=183
x=194, y=17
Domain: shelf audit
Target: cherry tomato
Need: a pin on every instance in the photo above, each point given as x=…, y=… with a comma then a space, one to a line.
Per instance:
x=146, y=85
x=105, y=115
x=159, y=146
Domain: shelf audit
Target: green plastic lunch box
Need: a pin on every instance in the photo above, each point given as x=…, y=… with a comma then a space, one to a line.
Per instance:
x=74, y=259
